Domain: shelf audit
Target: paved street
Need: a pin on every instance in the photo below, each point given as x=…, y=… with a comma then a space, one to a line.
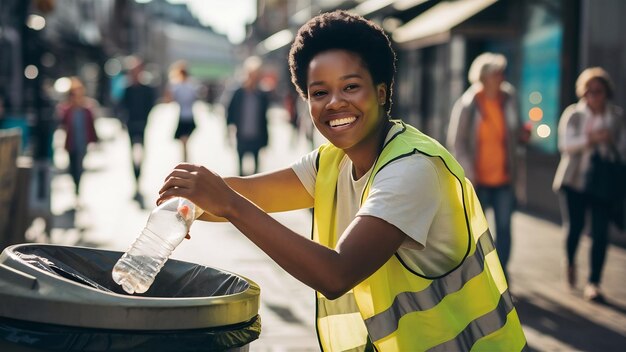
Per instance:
x=554, y=319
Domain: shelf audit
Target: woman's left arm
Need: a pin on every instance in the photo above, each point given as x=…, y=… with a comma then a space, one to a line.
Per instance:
x=364, y=247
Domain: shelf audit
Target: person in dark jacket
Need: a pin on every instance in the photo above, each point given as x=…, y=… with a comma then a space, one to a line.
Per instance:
x=137, y=101
x=247, y=112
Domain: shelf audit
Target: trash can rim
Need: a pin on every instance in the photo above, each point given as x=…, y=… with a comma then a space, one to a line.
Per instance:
x=129, y=311
x=11, y=253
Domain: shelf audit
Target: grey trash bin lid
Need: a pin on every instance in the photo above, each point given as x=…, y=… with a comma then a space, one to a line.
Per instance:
x=72, y=286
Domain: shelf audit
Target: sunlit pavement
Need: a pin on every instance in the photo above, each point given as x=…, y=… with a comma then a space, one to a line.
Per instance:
x=554, y=318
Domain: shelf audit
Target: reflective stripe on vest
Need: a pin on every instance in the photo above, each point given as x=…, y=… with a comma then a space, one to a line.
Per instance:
x=468, y=308
x=385, y=323
x=339, y=324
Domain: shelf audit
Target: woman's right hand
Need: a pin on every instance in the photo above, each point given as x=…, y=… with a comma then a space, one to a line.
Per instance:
x=201, y=186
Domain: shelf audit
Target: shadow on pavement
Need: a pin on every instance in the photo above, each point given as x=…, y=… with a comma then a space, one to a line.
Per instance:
x=614, y=306
x=65, y=220
x=285, y=314
x=568, y=327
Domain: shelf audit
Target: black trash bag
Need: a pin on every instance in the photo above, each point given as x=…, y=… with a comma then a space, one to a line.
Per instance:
x=176, y=279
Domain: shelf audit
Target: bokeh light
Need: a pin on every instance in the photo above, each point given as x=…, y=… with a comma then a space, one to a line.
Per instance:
x=535, y=114
x=543, y=131
x=48, y=60
x=535, y=98
x=31, y=72
x=62, y=85
x=36, y=22
x=112, y=67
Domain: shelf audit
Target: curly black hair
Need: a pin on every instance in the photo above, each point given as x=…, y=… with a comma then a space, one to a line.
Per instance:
x=343, y=30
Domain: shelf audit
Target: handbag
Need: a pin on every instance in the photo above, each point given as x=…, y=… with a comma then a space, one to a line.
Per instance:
x=606, y=178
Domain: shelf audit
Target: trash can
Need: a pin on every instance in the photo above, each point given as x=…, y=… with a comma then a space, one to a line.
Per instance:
x=62, y=298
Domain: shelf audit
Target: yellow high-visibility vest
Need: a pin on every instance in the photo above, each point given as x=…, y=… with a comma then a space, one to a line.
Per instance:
x=396, y=309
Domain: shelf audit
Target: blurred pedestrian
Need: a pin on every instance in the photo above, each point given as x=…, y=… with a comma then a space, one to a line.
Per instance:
x=290, y=103
x=77, y=116
x=593, y=124
x=484, y=133
x=184, y=91
x=247, y=113
x=136, y=103
x=300, y=120
x=400, y=250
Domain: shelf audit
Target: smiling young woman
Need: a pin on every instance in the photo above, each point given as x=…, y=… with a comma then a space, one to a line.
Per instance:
x=400, y=256
x=347, y=107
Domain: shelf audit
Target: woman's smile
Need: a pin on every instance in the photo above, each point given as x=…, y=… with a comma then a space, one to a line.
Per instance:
x=342, y=122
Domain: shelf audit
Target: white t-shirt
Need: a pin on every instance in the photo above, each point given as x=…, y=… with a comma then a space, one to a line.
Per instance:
x=185, y=94
x=409, y=194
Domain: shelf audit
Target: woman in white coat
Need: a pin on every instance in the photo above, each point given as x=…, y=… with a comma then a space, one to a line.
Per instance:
x=593, y=123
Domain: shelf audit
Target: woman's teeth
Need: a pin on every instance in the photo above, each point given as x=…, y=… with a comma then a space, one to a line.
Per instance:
x=342, y=121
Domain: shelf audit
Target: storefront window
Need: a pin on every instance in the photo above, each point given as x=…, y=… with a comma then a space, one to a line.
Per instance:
x=541, y=73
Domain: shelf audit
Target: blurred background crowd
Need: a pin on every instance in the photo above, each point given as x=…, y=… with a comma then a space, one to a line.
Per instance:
x=51, y=48
x=65, y=64
x=547, y=43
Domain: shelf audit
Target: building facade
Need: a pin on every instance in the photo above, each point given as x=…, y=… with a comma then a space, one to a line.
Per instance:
x=547, y=43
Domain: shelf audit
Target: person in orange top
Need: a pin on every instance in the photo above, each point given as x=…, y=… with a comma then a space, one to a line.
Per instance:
x=484, y=133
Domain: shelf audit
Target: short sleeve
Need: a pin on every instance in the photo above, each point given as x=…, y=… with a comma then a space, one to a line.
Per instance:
x=306, y=171
x=406, y=193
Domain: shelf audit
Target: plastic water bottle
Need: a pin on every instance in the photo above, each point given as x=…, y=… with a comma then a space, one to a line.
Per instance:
x=166, y=228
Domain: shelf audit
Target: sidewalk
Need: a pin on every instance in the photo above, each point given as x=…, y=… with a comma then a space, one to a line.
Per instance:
x=554, y=319
x=109, y=218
